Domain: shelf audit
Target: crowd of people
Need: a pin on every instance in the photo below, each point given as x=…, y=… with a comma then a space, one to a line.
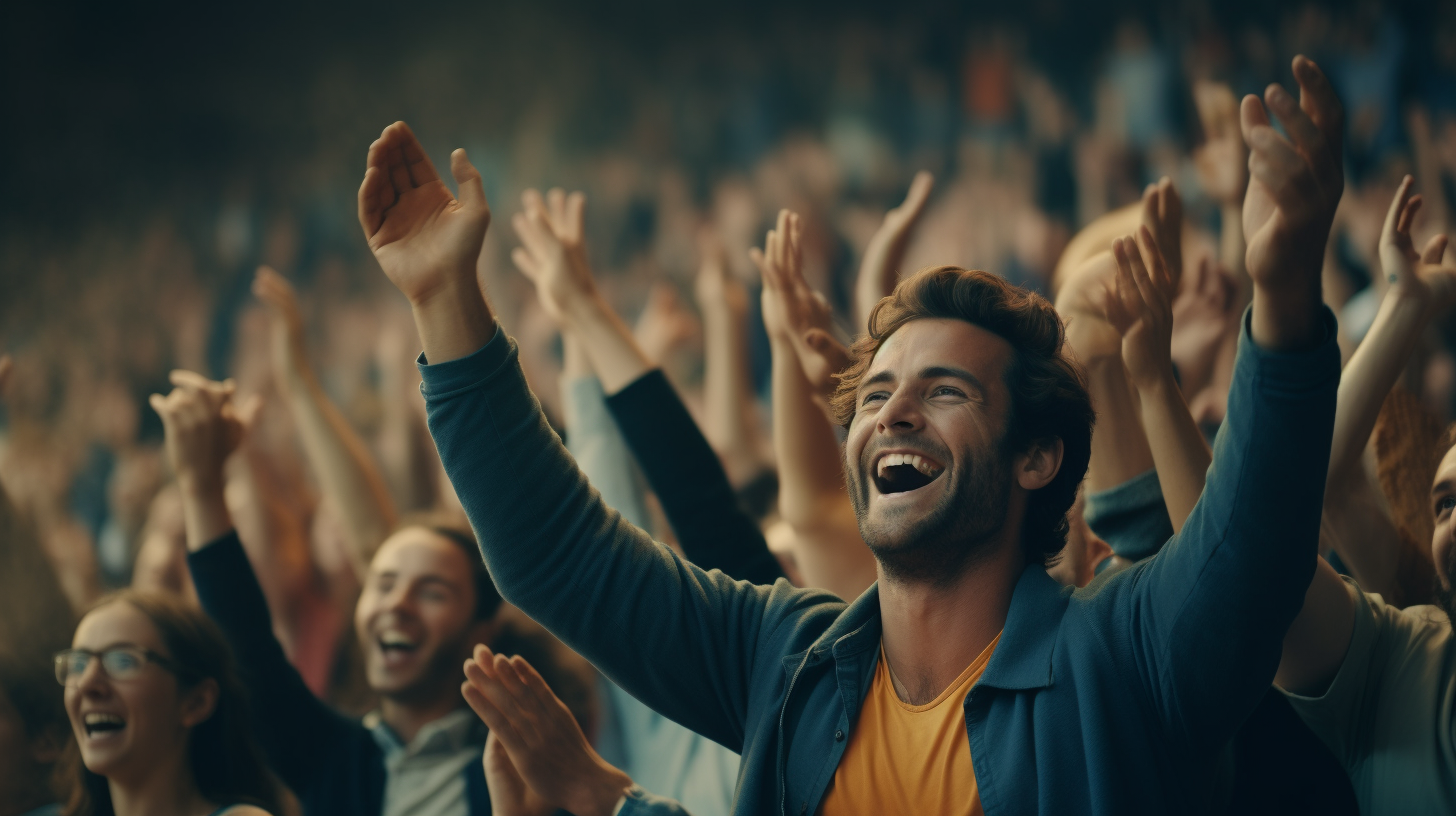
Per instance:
x=729, y=483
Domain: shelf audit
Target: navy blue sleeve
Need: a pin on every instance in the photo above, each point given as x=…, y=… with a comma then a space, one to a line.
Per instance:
x=299, y=733
x=680, y=639
x=690, y=482
x=1210, y=610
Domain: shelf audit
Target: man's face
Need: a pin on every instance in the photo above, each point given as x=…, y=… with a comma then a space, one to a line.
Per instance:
x=925, y=458
x=416, y=616
x=1443, y=505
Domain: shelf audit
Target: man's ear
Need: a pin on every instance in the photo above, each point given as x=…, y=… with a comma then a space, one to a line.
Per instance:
x=200, y=703
x=1038, y=464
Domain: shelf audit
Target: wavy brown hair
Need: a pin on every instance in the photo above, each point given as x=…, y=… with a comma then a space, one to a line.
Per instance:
x=225, y=760
x=1049, y=398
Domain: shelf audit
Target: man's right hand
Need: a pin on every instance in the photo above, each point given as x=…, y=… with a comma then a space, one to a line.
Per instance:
x=426, y=240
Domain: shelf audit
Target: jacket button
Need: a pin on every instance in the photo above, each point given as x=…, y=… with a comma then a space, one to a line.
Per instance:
x=839, y=736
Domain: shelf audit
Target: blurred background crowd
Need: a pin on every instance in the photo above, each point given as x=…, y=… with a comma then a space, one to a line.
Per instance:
x=156, y=158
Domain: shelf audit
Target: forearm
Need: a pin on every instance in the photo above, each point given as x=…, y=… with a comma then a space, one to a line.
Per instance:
x=569, y=562
x=1120, y=449
x=204, y=509
x=1369, y=376
x=608, y=343
x=876, y=280
x=454, y=321
x=727, y=393
x=600, y=451
x=1359, y=528
x=812, y=496
x=1220, y=595
x=1232, y=247
x=347, y=473
x=1179, y=451
x=690, y=482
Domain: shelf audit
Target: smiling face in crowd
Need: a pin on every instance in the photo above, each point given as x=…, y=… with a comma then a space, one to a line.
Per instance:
x=416, y=618
x=1443, y=504
x=126, y=726
x=925, y=456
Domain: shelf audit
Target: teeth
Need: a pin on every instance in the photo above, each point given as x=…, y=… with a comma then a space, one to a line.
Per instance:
x=394, y=639
x=914, y=460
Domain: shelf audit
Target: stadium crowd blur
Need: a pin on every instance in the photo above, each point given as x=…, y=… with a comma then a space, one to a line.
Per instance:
x=1038, y=129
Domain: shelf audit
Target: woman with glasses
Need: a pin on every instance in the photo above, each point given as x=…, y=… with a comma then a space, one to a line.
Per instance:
x=159, y=715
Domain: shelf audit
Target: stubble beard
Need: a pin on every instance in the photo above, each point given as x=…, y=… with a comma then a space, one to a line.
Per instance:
x=958, y=532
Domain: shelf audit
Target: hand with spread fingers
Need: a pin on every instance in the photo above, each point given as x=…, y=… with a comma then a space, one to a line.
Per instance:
x=537, y=757
x=1294, y=188
x=879, y=271
x=427, y=240
x=553, y=250
x=795, y=314
x=1222, y=161
x=1139, y=307
x=1412, y=274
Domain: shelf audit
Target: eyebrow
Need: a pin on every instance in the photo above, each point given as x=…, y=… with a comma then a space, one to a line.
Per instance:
x=115, y=644
x=424, y=579
x=931, y=373
x=1443, y=486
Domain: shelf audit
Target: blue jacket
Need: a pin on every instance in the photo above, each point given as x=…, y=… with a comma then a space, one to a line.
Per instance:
x=333, y=763
x=1112, y=699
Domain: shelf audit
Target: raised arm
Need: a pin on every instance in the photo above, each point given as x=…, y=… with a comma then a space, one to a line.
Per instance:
x=680, y=466
x=812, y=497
x=1316, y=644
x=1223, y=170
x=731, y=415
x=554, y=549
x=202, y=429
x=348, y=475
x=879, y=270
x=1140, y=310
x=1215, y=603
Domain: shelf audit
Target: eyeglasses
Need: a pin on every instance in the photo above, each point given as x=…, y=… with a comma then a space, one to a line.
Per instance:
x=120, y=663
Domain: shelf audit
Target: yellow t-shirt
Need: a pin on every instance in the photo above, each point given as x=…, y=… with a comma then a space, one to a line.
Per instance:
x=909, y=759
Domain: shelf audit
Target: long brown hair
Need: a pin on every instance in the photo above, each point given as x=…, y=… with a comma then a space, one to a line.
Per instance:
x=225, y=760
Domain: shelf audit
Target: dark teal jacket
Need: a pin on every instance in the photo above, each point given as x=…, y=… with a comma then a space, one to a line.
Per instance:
x=1112, y=699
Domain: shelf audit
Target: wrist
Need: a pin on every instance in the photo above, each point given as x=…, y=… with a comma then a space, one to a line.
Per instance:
x=600, y=792
x=195, y=484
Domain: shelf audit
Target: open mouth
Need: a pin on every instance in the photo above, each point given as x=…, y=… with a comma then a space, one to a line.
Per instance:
x=98, y=724
x=904, y=472
x=395, y=645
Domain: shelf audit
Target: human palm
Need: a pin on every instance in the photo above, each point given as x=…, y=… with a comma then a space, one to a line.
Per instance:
x=553, y=249
x=425, y=239
x=1411, y=273
x=1295, y=183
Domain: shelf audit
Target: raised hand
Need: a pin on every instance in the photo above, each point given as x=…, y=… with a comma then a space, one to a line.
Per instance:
x=552, y=254
x=1204, y=313
x=1409, y=273
x=1222, y=161
x=665, y=323
x=289, y=354
x=1294, y=189
x=543, y=745
x=716, y=287
x=1139, y=307
x=1162, y=215
x=202, y=426
x=426, y=239
x=879, y=271
x=793, y=312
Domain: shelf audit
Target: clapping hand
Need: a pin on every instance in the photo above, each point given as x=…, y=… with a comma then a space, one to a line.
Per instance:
x=1411, y=274
x=1139, y=307
x=553, y=250
x=536, y=759
x=792, y=311
x=202, y=426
